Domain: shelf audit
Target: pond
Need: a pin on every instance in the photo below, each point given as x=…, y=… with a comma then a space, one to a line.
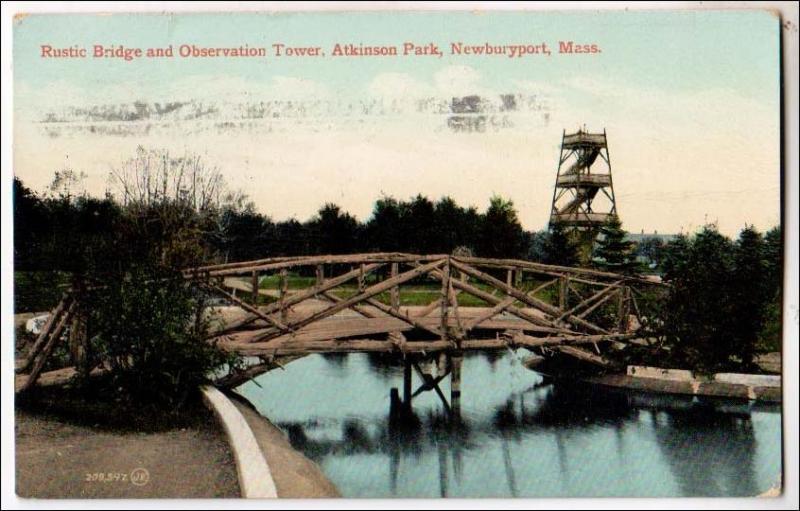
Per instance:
x=519, y=435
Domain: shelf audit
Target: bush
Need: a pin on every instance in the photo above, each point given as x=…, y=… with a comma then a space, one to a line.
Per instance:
x=150, y=328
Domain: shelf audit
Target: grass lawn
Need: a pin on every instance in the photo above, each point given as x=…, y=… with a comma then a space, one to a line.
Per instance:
x=416, y=294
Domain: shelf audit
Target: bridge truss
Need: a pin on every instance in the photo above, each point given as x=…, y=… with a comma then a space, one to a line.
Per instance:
x=423, y=308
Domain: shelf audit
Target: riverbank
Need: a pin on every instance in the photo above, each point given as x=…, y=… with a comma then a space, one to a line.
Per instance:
x=756, y=387
x=295, y=475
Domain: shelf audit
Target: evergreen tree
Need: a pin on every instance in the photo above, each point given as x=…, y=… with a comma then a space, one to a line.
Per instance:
x=559, y=248
x=334, y=231
x=651, y=248
x=502, y=235
x=773, y=257
x=749, y=294
x=383, y=228
x=698, y=319
x=613, y=252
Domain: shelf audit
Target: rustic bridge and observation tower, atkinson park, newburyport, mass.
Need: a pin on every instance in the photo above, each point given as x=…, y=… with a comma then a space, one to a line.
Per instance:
x=354, y=303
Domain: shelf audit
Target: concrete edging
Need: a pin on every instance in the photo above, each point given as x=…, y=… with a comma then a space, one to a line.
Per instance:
x=255, y=478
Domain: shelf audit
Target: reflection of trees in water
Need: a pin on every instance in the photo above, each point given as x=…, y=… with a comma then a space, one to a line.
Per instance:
x=385, y=365
x=336, y=360
x=493, y=356
x=409, y=438
x=565, y=406
x=710, y=453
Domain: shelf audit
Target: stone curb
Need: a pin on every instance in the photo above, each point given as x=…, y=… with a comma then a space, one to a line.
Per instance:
x=255, y=478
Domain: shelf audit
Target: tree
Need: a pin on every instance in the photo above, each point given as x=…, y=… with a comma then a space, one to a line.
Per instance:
x=749, y=294
x=773, y=258
x=242, y=234
x=383, y=228
x=559, y=248
x=417, y=229
x=613, y=251
x=153, y=177
x=772, y=330
x=698, y=322
x=454, y=226
x=501, y=234
x=334, y=231
x=652, y=249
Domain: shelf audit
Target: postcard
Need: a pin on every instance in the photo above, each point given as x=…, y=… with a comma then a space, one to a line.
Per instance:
x=398, y=254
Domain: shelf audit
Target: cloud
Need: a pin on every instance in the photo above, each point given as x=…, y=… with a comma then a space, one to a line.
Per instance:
x=459, y=80
x=398, y=85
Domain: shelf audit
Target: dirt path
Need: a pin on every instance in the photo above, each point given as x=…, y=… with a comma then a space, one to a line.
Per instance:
x=295, y=475
x=61, y=460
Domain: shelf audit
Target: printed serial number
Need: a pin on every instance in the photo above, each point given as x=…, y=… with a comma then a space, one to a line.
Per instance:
x=106, y=477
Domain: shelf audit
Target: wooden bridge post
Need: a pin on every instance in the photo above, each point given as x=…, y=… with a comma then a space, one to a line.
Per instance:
x=445, y=300
x=395, y=292
x=623, y=309
x=510, y=278
x=254, y=287
x=78, y=342
x=320, y=274
x=563, y=292
x=283, y=287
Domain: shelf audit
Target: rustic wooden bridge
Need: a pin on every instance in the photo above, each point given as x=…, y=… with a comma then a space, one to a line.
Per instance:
x=427, y=309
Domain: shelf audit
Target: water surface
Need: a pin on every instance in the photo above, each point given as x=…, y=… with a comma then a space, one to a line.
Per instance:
x=518, y=435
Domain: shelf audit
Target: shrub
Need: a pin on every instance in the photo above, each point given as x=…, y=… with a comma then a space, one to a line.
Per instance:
x=150, y=329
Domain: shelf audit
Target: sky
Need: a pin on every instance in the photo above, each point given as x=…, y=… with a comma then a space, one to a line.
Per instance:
x=689, y=100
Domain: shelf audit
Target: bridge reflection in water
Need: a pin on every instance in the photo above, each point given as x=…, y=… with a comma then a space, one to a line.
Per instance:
x=518, y=435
